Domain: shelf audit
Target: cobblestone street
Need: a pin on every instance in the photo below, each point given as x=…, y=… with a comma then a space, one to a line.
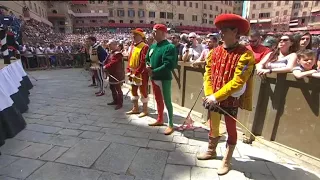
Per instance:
x=73, y=135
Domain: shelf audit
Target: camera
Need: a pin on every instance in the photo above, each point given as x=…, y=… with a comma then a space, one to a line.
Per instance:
x=189, y=44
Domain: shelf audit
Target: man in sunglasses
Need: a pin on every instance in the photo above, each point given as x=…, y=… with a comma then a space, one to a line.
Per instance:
x=255, y=46
x=227, y=85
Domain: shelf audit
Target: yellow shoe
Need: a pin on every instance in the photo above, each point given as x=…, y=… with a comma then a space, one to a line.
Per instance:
x=157, y=123
x=168, y=131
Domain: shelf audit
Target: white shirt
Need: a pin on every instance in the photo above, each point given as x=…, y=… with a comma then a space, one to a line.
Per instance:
x=194, y=52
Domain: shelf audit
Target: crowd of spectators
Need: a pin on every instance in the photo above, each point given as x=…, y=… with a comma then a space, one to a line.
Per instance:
x=274, y=52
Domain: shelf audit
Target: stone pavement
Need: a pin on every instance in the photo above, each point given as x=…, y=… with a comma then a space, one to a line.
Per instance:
x=73, y=135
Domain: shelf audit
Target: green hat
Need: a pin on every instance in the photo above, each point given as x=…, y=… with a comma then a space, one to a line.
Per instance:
x=4, y=7
x=269, y=41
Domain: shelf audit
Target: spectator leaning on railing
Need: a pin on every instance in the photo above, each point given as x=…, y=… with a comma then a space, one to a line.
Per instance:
x=282, y=60
x=306, y=64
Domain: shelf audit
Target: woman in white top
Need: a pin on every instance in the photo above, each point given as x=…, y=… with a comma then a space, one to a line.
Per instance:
x=281, y=60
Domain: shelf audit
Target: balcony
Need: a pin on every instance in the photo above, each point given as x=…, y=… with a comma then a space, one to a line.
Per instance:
x=83, y=2
x=88, y=14
x=56, y=15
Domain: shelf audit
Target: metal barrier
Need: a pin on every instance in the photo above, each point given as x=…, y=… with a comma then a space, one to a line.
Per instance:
x=52, y=61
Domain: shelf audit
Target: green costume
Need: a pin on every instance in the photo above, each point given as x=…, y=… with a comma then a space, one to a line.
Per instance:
x=162, y=57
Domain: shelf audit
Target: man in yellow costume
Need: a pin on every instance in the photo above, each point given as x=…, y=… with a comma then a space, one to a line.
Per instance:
x=137, y=73
x=227, y=84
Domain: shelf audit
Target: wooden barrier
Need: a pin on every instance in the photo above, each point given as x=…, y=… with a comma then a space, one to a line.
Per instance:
x=285, y=110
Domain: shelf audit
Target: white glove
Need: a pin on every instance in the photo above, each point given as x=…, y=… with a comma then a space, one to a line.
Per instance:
x=211, y=99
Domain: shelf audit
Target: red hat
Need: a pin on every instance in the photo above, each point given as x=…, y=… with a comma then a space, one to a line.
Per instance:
x=160, y=27
x=138, y=31
x=234, y=21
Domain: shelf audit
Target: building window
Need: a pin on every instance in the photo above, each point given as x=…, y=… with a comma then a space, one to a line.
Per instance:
x=141, y=21
x=210, y=22
x=230, y=3
x=253, y=16
x=194, y=18
x=295, y=14
x=151, y=22
x=197, y=5
x=204, y=6
x=119, y=2
x=296, y=6
x=169, y=2
x=304, y=13
x=130, y=2
x=141, y=13
x=264, y=15
x=190, y=4
x=254, y=6
x=160, y=1
x=210, y=16
x=285, y=12
x=140, y=2
x=131, y=13
x=100, y=2
x=178, y=3
x=217, y=8
x=92, y=21
x=131, y=21
x=110, y=12
x=262, y=5
x=169, y=15
x=163, y=15
x=210, y=7
x=287, y=2
x=120, y=13
x=92, y=11
x=184, y=3
x=278, y=3
x=152, y=14
x=317, y=3
x=35, y=7
x=277, y=13
x=225, y=11
x=269, y=5
x=181, y=16
x=121, y=21
x=204, y=21
x=100, y=11
x=306, y=4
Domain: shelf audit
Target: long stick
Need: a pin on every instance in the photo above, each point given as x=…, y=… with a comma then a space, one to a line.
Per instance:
x=236, y=121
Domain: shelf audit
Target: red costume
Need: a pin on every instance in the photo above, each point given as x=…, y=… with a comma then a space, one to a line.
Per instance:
x=227, y=85
x=116, y=77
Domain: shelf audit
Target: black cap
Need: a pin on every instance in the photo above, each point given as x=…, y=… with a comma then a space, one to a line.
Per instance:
x=4, y=7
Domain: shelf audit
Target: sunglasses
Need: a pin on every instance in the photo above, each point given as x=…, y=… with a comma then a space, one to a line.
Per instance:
x=284, y=40
x=253, y=41
x=192, y=37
